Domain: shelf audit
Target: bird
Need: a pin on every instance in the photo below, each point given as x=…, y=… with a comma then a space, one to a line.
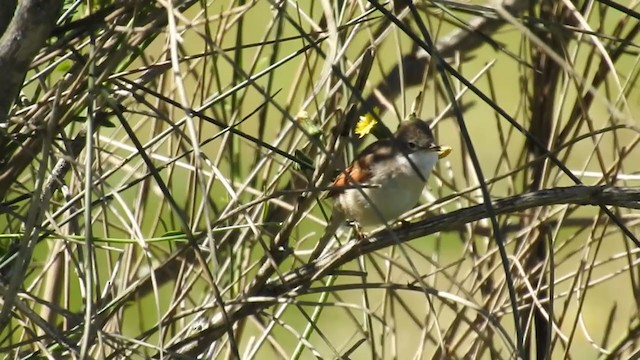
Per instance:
x=384, y=180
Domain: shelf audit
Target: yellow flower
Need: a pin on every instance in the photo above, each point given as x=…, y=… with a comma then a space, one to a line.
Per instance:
x=365, y=125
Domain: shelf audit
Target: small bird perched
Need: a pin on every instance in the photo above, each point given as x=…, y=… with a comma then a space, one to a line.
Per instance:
x=395, y=171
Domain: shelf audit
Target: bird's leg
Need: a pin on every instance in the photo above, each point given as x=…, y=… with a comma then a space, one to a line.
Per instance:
x=357, y=229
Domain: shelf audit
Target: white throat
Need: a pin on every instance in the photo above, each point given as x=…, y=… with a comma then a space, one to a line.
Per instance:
x=423, y=161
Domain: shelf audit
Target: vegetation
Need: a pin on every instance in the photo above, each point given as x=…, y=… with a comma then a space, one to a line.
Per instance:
x=163, y=165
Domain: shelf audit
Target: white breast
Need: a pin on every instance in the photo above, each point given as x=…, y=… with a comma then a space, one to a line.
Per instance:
x=399, y=191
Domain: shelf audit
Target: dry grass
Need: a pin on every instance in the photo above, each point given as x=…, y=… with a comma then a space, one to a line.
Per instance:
x=182, y=226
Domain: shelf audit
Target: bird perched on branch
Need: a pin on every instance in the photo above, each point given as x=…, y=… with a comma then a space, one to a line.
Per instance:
x=385, y=180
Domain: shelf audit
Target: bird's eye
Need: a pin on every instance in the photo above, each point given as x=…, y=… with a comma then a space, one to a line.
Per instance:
x=412, y=145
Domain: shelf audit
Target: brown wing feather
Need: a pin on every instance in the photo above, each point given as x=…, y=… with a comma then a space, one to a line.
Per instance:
x=359, y=172
x=357, y=175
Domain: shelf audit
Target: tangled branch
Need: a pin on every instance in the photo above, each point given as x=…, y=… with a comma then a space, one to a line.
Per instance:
x=296, y=281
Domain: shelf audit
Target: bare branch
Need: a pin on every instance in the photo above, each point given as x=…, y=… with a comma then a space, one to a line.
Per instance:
x=414, y=64
x=28, y=30
x=298, y=279
x=9, y=7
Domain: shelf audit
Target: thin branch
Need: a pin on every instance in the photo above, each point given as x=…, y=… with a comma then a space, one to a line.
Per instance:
x=413, y=65
x=303, y=276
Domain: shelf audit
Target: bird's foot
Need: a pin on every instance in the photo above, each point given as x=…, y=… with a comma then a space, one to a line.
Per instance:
x=357, y=229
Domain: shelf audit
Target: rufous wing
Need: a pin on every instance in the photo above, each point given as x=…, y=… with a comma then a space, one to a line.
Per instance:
x=357, y=174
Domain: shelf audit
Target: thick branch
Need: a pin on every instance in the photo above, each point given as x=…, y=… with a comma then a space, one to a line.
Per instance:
x=30, y=27
x=303, y=276
x=576, y=195
x=8, y=8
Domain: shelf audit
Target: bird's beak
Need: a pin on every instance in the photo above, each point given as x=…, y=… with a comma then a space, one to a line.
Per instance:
x=443, y=151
